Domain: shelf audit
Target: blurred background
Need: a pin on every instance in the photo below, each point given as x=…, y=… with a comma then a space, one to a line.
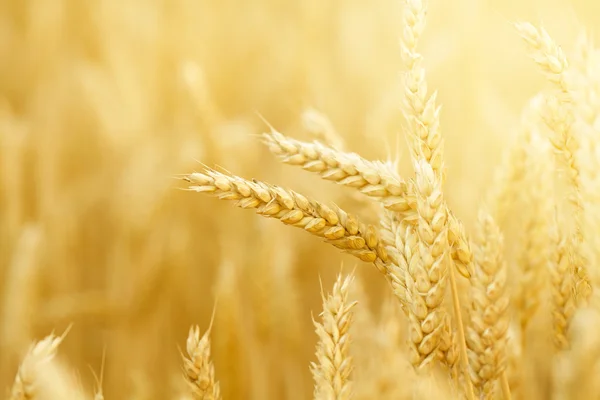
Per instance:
x=104, y=102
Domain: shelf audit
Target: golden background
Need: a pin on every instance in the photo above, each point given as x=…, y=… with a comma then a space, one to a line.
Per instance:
x=104, y=102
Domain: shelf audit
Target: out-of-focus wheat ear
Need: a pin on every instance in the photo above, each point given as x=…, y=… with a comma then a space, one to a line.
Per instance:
x=489, y=320
x=333, y=369
x=322, y=129
x=561, y=279
x=331, y=223
x=449, y=349
x=557, y=113
x=545, y=52
x=26, y=385
x=198, y=368
x=420, y=109
x=573, y=368
x=559, y=118
x=376, y=375
x=19, y=288
x=363, y=331
x=535, y=243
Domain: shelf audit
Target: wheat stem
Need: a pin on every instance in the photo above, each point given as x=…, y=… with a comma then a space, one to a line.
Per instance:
x=464, y=358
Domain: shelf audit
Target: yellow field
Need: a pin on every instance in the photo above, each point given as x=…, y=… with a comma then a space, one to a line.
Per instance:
x=104, y=104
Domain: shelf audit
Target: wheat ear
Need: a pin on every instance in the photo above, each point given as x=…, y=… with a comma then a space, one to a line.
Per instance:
x=536, y=192
x=333, y=368
x=427, y=274
x=399, y=248
x=38, y=356
x=559, y=117
x=420, y=109
x=321, y=127
x=561, y=279
x=331, y=223
x=198, y=368
x=486, y=335
x=372, y=178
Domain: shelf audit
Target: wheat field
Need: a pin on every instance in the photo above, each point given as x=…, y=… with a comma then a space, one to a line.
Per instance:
x=160, y=160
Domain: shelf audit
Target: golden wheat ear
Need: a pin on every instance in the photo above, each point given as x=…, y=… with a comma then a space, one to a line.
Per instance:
x=371, y=178
x=198, y=368
x=374, y=179
x=31, y=369
x=333, y=368
x=487, y=331
x=557, y=111
x=338, y=228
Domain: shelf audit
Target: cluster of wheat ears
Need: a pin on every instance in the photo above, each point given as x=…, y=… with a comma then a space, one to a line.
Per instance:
x=457, y=295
